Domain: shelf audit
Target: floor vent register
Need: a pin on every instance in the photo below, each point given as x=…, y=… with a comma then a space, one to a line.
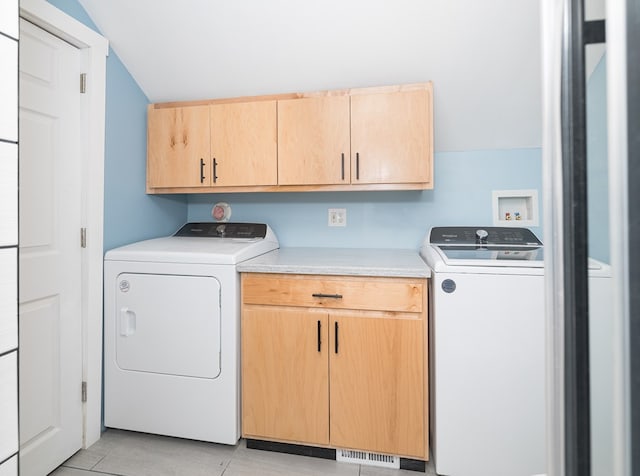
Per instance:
x=365, y=457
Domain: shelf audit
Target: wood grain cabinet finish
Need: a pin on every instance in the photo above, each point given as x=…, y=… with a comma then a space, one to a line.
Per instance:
x=345, y=140
x=285, y=374
x=391, y=137
x=336, y=361
x=314, y=141
x=178, y=147
x=243, y=144
x=220, y=145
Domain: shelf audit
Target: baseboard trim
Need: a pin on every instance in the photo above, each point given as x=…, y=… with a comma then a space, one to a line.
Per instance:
x=318, y=452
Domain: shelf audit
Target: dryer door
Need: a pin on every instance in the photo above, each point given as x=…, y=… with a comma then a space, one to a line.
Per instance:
x=168, y=324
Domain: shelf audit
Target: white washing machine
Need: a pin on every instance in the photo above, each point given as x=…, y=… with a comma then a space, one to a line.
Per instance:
x=487, y=352
x=172, y=331
x=487, y=365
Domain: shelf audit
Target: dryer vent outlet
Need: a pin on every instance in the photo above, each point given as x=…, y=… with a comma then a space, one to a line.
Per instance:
x=370, y=459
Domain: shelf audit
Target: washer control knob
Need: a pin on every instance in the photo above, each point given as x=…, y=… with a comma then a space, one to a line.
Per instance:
x=482, y=235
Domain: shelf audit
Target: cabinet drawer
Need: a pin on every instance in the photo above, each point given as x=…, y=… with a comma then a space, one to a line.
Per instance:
x=338, y=292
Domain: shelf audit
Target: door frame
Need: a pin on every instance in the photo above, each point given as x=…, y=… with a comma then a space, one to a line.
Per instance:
x=94, y=49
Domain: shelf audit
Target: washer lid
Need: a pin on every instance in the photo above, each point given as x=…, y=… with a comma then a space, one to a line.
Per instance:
x=530, y=256
x=204, y=248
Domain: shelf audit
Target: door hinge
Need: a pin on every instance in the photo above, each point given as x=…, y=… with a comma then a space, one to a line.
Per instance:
x=83, y=83
x=84, y=392
x=83, y=237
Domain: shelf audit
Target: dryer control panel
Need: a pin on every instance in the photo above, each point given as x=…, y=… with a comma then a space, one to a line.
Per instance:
x=223, y=230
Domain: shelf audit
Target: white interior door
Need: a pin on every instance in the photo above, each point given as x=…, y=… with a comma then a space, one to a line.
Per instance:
x=50, y=290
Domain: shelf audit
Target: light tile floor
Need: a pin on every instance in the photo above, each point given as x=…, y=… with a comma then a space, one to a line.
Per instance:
x=125, y=453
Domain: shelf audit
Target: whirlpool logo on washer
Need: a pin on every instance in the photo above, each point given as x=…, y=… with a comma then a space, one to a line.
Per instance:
x=124, y=286
x=448, y=286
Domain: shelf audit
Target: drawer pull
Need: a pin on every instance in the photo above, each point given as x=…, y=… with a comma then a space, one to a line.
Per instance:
x=319, y=340
x=332, y=296
x=336, y=339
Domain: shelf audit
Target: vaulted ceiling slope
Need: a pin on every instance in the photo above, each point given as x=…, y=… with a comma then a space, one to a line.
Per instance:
x=483, y=57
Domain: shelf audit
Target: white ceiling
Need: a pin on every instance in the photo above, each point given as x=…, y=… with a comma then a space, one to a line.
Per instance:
x=483, y=57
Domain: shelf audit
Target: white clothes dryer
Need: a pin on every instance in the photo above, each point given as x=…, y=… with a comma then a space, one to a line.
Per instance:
x=172, y=331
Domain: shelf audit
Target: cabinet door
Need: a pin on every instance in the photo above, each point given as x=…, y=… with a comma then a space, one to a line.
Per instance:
x=377, y=384
x=313, y=141
x=285, y=386
x=391, y=137
x=243, y=143
x=178, y=147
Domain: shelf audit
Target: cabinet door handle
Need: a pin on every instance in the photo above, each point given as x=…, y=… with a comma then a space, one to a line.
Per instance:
x=201, y=171
x=336, y=339
x=343, y=166
x=332, y=296
x=357, y=166
x=215, y=169
x=319, y=338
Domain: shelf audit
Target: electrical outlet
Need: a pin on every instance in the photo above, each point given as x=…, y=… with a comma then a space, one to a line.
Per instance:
x=337, y=217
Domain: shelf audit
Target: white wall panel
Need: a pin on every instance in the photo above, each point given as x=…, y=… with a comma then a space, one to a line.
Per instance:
x=8, y=194
x=8, y=405
x=8, y=237
x=9, y=467
x=8, y=300
x=8, y=89
x=9, y=17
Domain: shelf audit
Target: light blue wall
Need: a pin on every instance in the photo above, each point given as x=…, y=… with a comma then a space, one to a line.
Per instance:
x=462, y=196
x=129, y=214
x=597, y=163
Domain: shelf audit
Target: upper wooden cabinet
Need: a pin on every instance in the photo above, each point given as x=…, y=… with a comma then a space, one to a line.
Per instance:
x=391, y=137
x=353, y=139
x=313, y=141
x=243, y=143
x=221, y=145
x=178, y=147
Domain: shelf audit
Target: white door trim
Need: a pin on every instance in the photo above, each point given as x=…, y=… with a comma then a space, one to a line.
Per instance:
x=95, y=49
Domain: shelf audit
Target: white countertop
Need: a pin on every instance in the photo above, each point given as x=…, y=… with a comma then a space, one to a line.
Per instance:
x=340, y=261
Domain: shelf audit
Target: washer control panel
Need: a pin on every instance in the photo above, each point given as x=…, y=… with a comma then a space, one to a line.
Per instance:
x=482, y=236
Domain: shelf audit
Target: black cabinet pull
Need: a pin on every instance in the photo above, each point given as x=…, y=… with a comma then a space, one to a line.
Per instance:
x=336, y=331
x=201, y=171
x=215, y=169
x=319, y=338
x=332, y=296
x=343, y=166
x=357, y=166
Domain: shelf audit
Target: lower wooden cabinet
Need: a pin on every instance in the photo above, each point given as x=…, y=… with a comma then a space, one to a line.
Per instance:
x=321, y=367
x=285, y=377
x=377, y=399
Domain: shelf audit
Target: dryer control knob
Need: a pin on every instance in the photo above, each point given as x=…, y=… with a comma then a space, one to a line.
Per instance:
x=482, y=236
